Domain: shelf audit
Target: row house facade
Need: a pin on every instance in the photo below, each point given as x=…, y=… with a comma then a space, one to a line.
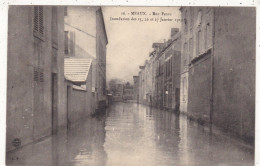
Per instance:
x=218, y=68
x=155, y=65
x=36, y=91
x=172, y=62
x=159, y=77
x=167, y=73
x=141, y=92
x=145, y=83
x=86, y=38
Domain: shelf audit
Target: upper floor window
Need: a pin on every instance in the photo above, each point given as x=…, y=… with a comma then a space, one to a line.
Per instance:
x=38, y=21
x=199, y=19
x=199, y=43
x=191, y=17
x=65, y=11
x=191, y=48
x=185, y=54
x=69, y=42
x=209, y=35
x=206, y=37
x=185, y=21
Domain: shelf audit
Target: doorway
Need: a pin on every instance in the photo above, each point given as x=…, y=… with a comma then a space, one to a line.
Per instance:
x=177, y=99
x=54, y=92
x=68, y=106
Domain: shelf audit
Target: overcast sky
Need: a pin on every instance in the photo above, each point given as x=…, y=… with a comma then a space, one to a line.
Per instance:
x=131, y=41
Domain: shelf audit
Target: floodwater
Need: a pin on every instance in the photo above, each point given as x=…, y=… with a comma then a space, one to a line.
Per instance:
x=128, y=134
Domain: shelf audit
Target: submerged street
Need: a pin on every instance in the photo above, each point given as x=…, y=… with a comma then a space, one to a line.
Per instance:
x=130, y=134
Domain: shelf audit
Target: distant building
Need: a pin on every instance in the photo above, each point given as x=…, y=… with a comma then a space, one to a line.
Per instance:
x=159, y=76
x=171, y=99
x=85, y=37
x=136, y=88
x=128, y=92
x=155, y=66
x=118, y=93
x=218, y=67
x=142, y=85
x=36, y=92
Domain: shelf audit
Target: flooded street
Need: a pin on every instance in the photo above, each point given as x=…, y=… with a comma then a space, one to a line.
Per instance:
x=128, y=134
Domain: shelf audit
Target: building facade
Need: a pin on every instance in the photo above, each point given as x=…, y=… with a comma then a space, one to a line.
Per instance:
x=80, y=98
x=128, y=92
x=36, y=91
x=141, y=75
x=171, y=100
x=218, y=67
x=85, y=37
x=118, y=93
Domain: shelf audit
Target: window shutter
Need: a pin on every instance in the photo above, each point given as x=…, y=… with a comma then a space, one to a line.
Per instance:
x=66, y=42
x=38, y=74
x=65, y=11
x=38, y=22
x=41, y=28
x=35, y=74
x=35, y=19
x=72, y=38
x=41, y=75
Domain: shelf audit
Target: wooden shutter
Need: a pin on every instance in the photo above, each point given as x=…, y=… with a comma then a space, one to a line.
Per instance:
x=41, y=28
x=35, y=19
x=38, y=21
x=35, y=74
x=66, y=42
x=72, y=41
x=38, y=74
x=41, y=75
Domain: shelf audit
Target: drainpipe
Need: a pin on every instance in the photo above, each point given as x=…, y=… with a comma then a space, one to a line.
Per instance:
x=212, y=71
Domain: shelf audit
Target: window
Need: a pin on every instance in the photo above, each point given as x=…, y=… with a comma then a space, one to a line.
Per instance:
x=185, y=21
x=66, y=42
x=191, y=17
x=205, y=37
x=65, y=11
x=184, y=82
x=38, y=21
x=71, y=42
x=104, y=86
x=199, y=19
x=209, y=35
x=191, y=48
x=198, y=49
x=184, y=54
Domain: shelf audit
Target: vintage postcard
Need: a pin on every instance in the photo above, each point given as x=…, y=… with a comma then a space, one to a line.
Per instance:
x=130, y=85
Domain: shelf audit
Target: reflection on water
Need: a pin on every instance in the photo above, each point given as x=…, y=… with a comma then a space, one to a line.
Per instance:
x=132, y=134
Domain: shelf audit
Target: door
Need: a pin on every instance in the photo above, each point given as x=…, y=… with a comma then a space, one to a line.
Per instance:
x=177, y=98
x=68, y=106
x=54, y=91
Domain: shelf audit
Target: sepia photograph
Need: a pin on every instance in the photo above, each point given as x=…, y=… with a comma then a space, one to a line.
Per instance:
x=130, y=85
